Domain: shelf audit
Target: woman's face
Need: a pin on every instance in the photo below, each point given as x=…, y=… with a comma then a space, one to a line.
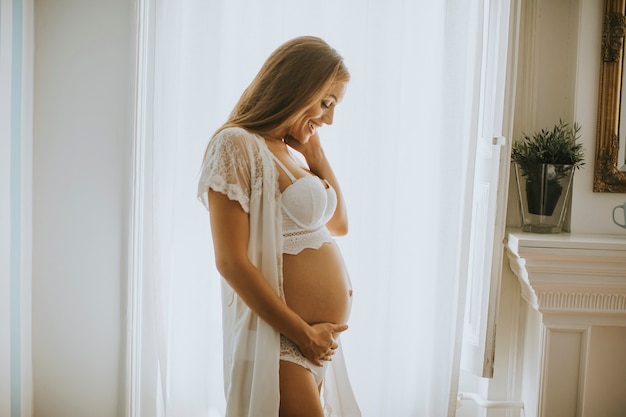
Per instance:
x=318, y=114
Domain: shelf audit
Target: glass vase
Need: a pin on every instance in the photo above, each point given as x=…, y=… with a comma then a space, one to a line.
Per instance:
x=544, y=191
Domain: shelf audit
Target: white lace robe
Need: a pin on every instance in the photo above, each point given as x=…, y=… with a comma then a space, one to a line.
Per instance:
x=239, y=165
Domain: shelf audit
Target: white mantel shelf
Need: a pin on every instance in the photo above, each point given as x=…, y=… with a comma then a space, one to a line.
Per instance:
x=571, y=273
x=575, y=325
x=518, y=239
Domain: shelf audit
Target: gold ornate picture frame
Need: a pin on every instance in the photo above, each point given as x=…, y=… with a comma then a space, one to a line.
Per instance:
x=608, y=177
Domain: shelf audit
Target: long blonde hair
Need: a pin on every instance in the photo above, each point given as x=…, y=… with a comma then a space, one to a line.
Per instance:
x=293, y=78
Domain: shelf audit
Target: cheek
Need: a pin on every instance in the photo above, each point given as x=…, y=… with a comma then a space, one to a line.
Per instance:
x=312, y=113
x=303, y=121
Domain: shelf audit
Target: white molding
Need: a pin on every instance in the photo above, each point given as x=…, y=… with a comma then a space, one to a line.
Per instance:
x=574, y=282
x=142, y=117
x=582, y=302
x=571, y=274
x=16, y=112
x=26, y=280
x=549, y=332
x=526, y=107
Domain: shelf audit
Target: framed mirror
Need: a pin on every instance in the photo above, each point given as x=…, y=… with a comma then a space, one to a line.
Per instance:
x=610, y=162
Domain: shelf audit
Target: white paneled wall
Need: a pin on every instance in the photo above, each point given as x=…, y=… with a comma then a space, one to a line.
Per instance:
x=575, y=290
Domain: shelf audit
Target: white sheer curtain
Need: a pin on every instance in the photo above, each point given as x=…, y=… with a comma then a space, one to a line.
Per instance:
x=400, y=148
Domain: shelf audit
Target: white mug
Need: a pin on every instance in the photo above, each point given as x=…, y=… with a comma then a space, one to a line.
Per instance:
x=623, y=216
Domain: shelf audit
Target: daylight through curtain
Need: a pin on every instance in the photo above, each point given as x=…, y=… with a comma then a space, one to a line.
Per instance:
x=398, y=149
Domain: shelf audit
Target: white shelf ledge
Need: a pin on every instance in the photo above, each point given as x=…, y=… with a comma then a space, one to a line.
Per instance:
x=566, y=273
x=518, y=239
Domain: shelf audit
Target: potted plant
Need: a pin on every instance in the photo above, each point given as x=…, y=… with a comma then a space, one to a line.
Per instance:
x=544, y=168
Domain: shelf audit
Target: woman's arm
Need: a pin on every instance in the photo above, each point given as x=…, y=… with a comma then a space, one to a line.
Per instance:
x=319, y=165
x=230, y=230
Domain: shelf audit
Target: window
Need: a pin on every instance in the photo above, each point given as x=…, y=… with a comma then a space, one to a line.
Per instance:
x=425, y=78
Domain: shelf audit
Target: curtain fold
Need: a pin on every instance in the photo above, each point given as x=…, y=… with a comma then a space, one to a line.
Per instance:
x=399, y=151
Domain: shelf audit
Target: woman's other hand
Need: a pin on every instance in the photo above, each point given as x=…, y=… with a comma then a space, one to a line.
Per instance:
x=310, y=148
x=318, y=164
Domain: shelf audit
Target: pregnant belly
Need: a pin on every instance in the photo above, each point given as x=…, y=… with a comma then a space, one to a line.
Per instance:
x=317, y=286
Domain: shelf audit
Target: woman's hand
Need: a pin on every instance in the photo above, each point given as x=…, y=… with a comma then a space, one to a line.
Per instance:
x=311, y=148
x=318, y=164
x=322, y=344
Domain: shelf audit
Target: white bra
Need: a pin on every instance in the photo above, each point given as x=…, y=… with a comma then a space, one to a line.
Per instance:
x=307, y=204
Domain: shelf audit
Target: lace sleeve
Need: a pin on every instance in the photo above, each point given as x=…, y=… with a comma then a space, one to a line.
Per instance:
x=227, y=168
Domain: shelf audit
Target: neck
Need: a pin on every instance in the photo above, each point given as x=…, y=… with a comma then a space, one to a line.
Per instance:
x=275, y=141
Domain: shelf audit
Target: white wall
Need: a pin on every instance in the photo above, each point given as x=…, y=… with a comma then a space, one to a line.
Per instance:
x=558, y=78
x=591, y=212
x=82, y=156
x=82, y=148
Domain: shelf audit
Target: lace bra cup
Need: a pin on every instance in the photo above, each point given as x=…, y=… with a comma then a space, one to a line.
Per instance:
x=307, y=201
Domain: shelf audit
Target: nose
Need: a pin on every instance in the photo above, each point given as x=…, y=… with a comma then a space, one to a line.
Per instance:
x=328, y=115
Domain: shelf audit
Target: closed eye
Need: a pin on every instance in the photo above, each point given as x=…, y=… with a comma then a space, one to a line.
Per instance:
x=327, y=104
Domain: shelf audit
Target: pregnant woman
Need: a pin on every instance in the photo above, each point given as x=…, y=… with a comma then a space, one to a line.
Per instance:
x=275, y=205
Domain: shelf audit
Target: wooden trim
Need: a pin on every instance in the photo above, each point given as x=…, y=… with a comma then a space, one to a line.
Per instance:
x=137, y=219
